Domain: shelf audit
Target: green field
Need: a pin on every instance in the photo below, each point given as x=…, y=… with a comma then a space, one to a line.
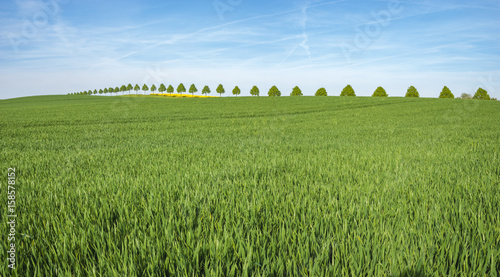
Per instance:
x=335, y=186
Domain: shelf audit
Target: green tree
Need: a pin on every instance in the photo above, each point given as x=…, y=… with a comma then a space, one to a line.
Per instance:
x=162, y=89
x=129, y=88
x=145, y=88
x=111, y=90
x=254, y=91
x=296, y=91
x=95, y=91
x=380, y=92
x=481, y=94
x=465, y=96
x=348, y=91
x=206, y=90
x=193, y=89
x=170, y=89
x=220, y=90
x=321, y=92
x=106, y=91
x=181, y=88
x=446, y=93
x=137, y=88
x=412, y=92
x=123, y=89
x=236, y=91
x=274, y=91
x=101, y=91
x=153, y=88
x=117, y=89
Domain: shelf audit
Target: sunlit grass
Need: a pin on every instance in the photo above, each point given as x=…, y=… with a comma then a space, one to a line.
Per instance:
x=266, y=186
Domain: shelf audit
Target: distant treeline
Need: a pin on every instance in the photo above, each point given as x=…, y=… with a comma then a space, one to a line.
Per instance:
x=480, y=94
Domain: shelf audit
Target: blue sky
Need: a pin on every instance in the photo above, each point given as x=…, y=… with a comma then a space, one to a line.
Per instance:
x=61, y=46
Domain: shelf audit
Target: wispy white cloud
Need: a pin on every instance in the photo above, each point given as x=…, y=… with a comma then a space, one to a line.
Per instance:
x=298, y=42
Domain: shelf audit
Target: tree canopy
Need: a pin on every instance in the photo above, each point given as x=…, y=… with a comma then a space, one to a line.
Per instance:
x=145, y=88
x=236, y=91
x=296, y=91
x=465, y=96
x=380, y=92
x=162, y=88
x=206, y=90
x=481, y=94
x=274, y=91
x=193, y=89
x=348, y=91
x=181, y=88
x=446, y=93
x=412, y=92
x=220, y=90
x=321, y=92
x=170, y=89
x=254, y=91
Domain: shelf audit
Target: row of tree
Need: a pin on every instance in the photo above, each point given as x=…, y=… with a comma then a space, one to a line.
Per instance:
x=180, y=89
x=481, y=94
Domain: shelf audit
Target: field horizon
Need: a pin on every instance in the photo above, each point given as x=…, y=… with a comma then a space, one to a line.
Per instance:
x=338, y=186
